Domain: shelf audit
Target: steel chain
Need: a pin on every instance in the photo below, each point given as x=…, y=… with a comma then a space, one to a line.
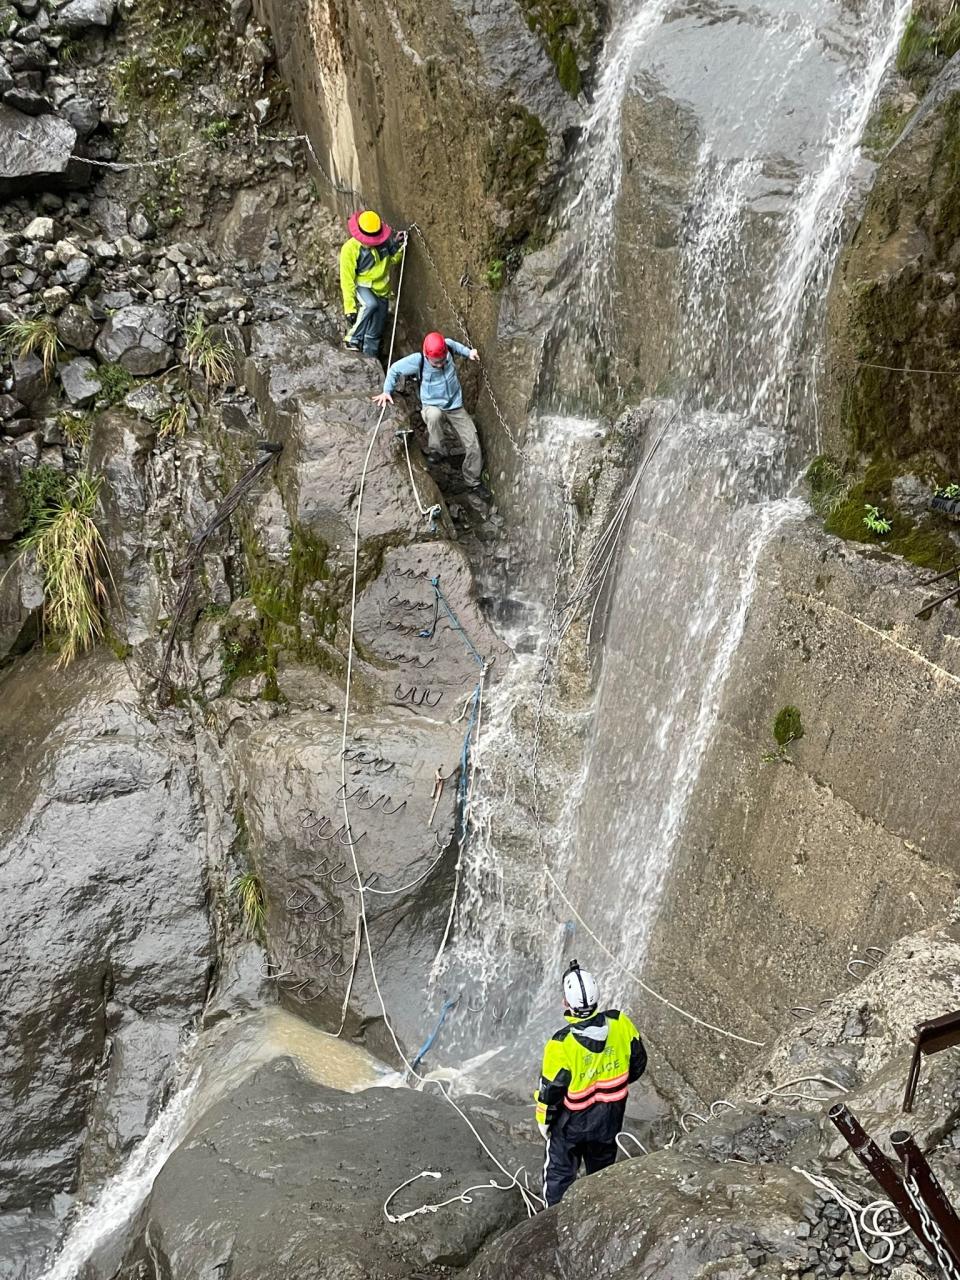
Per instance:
x=930, y=1228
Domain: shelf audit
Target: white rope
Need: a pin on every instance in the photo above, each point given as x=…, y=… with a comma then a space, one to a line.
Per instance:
x=527, y=1196
x=429, y=513
x=632, y=1138
x=859, y=1216
x=774, y=1092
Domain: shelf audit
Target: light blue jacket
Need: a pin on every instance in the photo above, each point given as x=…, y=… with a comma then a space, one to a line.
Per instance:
x=439, y=387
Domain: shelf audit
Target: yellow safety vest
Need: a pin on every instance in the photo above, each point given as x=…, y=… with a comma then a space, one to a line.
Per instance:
x=362, y=265
x=577, y=1077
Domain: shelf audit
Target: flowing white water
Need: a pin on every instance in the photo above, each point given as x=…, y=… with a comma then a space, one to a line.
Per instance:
x=779, y=94
x=124, y=1193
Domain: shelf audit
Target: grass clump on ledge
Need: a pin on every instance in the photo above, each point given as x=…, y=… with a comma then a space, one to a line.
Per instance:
x=174, y=422
x=72, y=560
x=206, y=355
x=248, y=892
x=34, y=334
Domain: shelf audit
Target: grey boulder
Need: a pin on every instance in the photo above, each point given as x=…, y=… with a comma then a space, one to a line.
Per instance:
x=83, y=114
x=79, y=380
x=287, y=1177
x=28, y=379
x=80, y=14
x=76, y=327
x=32, y=148
x=139, y=338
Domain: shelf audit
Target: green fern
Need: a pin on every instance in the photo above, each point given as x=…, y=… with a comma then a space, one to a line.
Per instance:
x=875, y=520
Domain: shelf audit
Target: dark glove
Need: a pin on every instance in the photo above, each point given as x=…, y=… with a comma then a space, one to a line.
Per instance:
x=351, y=318
x=402, y=237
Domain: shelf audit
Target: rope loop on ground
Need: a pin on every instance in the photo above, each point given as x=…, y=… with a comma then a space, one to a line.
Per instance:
x=864, y=1220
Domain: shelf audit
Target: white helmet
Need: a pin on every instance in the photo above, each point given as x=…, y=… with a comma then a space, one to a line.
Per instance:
x=580, y=990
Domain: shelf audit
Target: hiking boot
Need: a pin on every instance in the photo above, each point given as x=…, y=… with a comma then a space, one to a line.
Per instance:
x=433, y=459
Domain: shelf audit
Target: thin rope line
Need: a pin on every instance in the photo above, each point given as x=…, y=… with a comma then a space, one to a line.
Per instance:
x=526, y=1195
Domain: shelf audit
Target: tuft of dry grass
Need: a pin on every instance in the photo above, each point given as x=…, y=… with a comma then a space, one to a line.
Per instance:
x=248, y=892
x=72, y=560
x=203, y=353
x=34, y=333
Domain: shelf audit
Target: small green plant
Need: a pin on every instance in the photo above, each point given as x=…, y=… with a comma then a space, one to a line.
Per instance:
x=203, y=353
x=175, y=421
x=787, y=728
x=34, y=334
x=114, y=381
x=949, y=491
x=495, y=274
x=875, y=520
x=248, y=892
x=42, y=488
x=829, y=485
x=216, y=130
x=72, y=560
x=76, y=427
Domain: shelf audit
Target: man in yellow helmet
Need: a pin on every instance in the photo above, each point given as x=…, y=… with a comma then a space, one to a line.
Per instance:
x=365, y=262
x=587, y=1068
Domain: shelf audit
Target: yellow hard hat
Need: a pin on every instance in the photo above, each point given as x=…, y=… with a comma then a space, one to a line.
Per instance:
x=369, y=222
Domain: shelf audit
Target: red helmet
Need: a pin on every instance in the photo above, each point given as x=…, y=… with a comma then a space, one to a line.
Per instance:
x=435, y=346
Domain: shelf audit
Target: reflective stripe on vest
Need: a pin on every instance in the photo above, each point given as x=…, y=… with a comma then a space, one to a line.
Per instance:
x=613, y=1090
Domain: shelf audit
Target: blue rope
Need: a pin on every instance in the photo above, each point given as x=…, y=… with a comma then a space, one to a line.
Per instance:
x=427, y=1044
x=438, y=600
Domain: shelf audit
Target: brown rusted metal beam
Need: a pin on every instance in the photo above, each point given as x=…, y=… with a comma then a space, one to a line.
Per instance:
x=944, y=1234
x=931, y=1036
x=939, y=600
x=882, y=1170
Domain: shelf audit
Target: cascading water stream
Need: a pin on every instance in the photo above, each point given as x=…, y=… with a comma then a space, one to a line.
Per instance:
x=778, y=97
x=121, y=1197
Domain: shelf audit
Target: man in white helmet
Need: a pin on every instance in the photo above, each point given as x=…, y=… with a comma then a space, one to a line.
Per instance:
x=587, y=1068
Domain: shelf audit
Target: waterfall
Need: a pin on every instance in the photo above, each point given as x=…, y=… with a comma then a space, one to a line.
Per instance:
x=116, y=1203
x=777, y=97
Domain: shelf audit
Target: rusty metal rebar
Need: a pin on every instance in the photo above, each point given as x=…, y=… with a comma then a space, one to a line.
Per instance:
x=877, y=1165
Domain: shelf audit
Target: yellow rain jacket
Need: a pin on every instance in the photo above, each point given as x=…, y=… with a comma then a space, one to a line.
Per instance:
x=362, y=265
x=587, y=1068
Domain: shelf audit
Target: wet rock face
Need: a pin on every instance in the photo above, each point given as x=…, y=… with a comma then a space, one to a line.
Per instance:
x=667, y=1215
x=894, y=300
x=408, y=694
x=221, y=1202
x=476, y=76
x=104, y=913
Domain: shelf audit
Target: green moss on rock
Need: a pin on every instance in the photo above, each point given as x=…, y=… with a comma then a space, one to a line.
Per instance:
x=569, y=33
x=787, y=727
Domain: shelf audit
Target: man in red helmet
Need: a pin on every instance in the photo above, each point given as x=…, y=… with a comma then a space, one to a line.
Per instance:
x=441, y=399
x=365, y=262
